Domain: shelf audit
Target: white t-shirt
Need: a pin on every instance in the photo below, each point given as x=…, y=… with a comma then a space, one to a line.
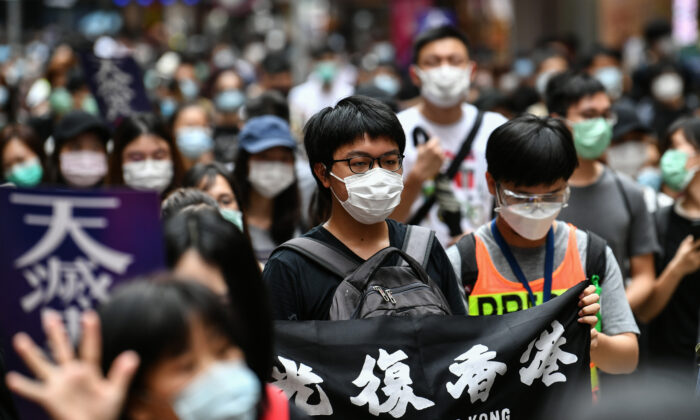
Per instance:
x=309, y=97
x=469, y=185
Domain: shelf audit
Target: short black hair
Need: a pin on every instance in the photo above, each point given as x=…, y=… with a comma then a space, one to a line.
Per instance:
x=435, y=34
x=691, y=131
x=566, y=89
x=530, y=151
x=334, y=127
x=270, y=102
x=276, y=62
x=183, y=198
x=597, y=50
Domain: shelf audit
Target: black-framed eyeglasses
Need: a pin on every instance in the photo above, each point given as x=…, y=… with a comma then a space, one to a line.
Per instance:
x=361, y=164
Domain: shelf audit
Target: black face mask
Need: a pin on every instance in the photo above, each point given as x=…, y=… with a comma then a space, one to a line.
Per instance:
x=226, y=130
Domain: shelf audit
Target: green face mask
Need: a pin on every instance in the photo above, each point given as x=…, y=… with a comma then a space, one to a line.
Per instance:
x=25, y=174
x=233, y=216
x=61, y=101
x=673, y=170
x=592, y=137
x=90, y=106
x=326, y=71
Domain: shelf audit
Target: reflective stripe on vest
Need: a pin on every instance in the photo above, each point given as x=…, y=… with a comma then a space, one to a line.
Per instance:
x=493, y=294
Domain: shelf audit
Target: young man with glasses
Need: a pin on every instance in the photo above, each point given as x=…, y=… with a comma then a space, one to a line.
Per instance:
x=602, y=201
x=355, y=152
x=524, y=256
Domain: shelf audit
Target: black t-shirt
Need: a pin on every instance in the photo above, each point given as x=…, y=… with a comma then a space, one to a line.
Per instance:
x=674, y=333
x=302, y=290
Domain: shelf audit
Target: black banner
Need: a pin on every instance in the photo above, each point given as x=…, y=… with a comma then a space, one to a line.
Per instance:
x=521, y=365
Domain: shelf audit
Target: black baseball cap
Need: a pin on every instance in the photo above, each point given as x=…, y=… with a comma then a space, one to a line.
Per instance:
x=78, y=122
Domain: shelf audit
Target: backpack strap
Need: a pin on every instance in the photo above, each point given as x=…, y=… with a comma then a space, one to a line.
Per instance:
x=596, y=260
x=467, y=254
x=322, y=254
x=452, y=170
x=418, y=243
x=662, y=217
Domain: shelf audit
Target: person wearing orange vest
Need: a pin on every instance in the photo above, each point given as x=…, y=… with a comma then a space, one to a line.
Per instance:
x=524, y=256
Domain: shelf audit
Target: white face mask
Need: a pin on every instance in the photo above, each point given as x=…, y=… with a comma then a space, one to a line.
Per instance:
x=270, y=178
x=628, y=157
x=445, y=86
x=148, y=174
x=667, y=87
x=611, y=77
x=83, y=168
x=532, y=224
x=372, y=196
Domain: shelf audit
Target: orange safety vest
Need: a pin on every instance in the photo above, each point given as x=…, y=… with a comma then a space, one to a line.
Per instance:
x=493, y=294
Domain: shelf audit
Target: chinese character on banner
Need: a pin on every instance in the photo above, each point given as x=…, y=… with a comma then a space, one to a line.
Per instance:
x=66, y=250
x=117, y=85
x=297, y=381
x=549, y=353
x=397, y=386
x=476, y=371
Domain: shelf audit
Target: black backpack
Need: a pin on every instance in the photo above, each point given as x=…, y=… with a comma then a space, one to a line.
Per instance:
x=369, y=289
x=596, y=262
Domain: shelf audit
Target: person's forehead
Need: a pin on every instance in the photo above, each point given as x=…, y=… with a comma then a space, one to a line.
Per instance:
x=597, y=101
x=536, y=189
x=442, y=47
x=369, y=145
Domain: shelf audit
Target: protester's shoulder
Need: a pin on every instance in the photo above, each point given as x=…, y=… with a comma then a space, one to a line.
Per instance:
x=287, y=259
x=631, y=187
x=491, y=119
x=409, y=117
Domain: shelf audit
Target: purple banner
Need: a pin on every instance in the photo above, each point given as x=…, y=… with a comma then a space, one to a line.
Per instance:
x=66, y=250
x=117, y=85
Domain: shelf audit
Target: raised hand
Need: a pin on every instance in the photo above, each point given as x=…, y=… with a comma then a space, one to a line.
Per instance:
x=73, y=388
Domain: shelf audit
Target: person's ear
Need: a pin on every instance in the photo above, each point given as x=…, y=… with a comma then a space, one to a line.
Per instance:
x=473, y=67
x=491, y=184
x=322, y=174
x=413, y=73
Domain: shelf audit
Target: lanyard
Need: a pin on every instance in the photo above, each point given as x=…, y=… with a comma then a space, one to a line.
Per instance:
x=548, y=263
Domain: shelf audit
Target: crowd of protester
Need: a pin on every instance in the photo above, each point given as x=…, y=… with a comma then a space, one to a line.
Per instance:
x=244, y=160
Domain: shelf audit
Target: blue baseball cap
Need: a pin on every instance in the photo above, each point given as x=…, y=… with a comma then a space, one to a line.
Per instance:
x=265, y=132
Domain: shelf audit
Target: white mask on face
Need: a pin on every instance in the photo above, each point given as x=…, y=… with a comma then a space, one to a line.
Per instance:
x=532, y=224
x=372, y=196
x=83, y=168
x=270, y=178
x=445, y=86
x=148, y=174
x=628, y=157
x=667, y=87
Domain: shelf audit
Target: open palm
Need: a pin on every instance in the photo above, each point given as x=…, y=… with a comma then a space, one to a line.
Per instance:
x=73, y=388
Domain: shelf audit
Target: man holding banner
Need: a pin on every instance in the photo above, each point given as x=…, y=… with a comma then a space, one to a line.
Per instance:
x=500, y=265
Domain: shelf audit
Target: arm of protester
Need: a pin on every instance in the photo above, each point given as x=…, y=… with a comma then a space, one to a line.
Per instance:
x=429, y=160
x=642, y=283
x=614, y=353
x=281, y=279
x=446, y=279
x=611, y=353
x=686, y=261
x=74, y=388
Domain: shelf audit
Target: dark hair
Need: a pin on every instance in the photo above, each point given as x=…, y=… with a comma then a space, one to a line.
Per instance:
x=221, y=244
x=276, y=62
x=531, y=151
x=598, y=50
x=270, y=102
x=655, y=30
x=207, y=172
x=566, y=89
x=286, y=207
x=133, y=127
x=435, y=34
x=334, y=127
x=152, y=317
x=28, y=137
x=691, y=131
x=183, y=198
